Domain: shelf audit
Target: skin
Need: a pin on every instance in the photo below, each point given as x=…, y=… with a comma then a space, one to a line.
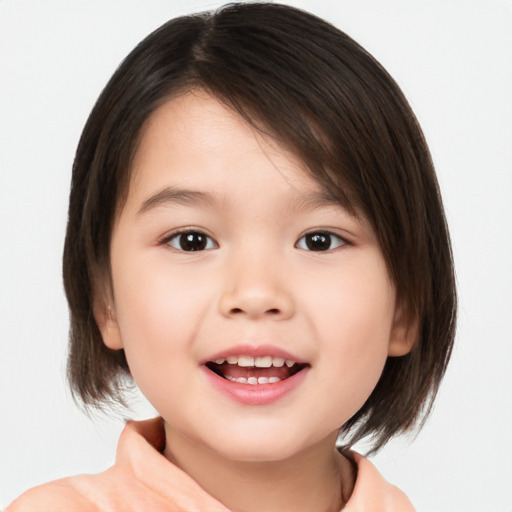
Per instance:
x=255, y=283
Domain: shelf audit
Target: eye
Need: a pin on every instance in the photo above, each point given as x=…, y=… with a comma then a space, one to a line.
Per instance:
x=320, y=241
x=191, y=241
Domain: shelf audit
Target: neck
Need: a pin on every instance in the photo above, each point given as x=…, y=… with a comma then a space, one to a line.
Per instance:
x=317, y=478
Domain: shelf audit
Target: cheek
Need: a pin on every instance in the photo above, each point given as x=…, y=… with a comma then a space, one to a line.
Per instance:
x=355, y=303
x=159, y=309
x=354, y=318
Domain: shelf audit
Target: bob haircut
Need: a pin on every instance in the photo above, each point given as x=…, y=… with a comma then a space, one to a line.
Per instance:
x=315, y=91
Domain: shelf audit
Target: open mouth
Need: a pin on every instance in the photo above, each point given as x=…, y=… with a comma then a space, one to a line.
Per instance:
x=255, y=370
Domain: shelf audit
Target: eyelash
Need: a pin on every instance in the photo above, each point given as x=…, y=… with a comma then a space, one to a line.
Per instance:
x=325, y=235
x=207, y=243
x=177, y=235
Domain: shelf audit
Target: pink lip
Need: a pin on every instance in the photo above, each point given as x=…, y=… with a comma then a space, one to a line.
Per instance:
x=247, y=349
x=258, y=394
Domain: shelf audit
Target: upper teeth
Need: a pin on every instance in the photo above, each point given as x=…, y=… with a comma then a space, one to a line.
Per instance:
x=259, y=362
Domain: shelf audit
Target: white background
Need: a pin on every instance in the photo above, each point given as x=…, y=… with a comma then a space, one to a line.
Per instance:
x=453, y=58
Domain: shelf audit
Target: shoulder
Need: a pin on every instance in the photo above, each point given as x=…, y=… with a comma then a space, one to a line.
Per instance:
x=141, y=479
x=117, y=488
x=114, y=489
x=373, y=492
x=57, y=496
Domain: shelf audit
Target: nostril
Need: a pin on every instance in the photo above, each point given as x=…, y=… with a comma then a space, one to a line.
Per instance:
x=272, y=311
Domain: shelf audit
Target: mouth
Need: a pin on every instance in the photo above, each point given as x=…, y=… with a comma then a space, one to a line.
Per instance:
x=255, y=370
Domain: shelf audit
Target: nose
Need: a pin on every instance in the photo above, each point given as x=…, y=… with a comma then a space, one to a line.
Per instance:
x=256, y=288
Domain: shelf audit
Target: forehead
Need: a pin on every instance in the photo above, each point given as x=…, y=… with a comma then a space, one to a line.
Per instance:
x=194, y=140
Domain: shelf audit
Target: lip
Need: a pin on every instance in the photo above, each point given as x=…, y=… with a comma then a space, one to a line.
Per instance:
x=258, y=394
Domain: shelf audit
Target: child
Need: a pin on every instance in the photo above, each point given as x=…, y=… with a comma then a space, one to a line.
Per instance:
x=256, y=237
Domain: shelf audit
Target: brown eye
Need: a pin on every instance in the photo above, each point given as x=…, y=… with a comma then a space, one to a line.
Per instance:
x=320, y=241
x=191, y=241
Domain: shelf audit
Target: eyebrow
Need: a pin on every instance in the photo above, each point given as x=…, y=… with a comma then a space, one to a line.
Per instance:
x=320, y=199
x=173, y=195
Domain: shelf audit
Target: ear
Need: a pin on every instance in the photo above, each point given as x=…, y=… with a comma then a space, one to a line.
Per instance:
x=104, y=314
x=404, y=332
x=109, y=328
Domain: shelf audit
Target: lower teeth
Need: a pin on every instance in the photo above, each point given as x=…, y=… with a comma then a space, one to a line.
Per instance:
x=253, y=380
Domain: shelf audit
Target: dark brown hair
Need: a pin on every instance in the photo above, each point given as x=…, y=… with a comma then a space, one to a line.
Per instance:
x=316, y=91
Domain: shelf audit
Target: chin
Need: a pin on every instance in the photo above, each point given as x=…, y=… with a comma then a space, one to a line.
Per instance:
x=258, y=453
x=259, y=445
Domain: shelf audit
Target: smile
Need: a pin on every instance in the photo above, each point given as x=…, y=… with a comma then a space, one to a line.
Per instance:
x=255, y=370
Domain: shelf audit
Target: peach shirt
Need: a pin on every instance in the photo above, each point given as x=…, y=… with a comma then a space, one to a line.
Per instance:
x=142, y=479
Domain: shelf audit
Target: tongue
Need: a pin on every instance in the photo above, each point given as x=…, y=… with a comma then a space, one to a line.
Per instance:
x=235, y=371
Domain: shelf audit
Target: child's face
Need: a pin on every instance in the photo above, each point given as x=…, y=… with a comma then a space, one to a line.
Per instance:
x=253, y=287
